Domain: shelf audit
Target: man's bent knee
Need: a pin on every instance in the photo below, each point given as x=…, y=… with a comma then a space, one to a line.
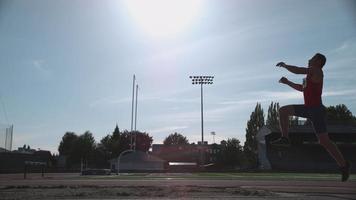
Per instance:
x=286, y=110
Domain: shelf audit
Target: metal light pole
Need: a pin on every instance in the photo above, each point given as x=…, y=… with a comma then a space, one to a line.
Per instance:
x=136, y=107
x=202, y=80
x=132, y=108
x=135, y=118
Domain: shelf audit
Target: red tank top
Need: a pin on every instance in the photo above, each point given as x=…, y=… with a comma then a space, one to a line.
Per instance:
x=312, y=92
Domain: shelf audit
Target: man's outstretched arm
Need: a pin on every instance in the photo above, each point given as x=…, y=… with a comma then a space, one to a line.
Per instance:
x=293, y=69
x=295, y=86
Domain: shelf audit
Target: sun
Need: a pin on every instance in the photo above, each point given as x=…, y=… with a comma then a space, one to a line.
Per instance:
x=164, y=18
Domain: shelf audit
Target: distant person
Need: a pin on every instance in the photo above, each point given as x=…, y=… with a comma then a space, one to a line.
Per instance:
x=312, y=109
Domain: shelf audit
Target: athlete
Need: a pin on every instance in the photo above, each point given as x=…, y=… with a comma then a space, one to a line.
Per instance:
x=312, y=109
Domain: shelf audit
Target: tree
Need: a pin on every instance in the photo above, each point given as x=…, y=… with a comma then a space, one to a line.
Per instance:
x=76, y=147
x=272, y=120
x=68, y=142
x=340, y=114
x=143, y=141
x=253, y=125
x=231, y=153
x=105, y=143
x=84, y=146
x=175, y=139
x=113, y=145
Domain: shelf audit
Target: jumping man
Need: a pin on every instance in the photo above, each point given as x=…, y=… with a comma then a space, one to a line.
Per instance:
x=312, y=108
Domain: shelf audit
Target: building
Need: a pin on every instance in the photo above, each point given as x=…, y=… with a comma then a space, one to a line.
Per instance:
x=14, y=161
x=25, y=149
x=305, y=153
x=178, y=153
x=189, y=157
x=138, y=161
x=2, y=150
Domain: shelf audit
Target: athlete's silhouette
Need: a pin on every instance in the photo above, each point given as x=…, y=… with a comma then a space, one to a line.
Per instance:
x=312, y=108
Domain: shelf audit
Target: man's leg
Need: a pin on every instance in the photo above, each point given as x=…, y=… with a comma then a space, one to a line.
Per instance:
x=334, y=151
x=284, y=113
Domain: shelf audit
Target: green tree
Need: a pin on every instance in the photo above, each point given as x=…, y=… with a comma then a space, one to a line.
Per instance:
x=118, y=142
x=84, y=146
x=340, y=114
x=175, y=139
x=67, y=144
x=99, y=158
x=76, y=147
x=253, y=125
x=143, y=141
x=231, y=153
x=105, y=144
x=272, y=120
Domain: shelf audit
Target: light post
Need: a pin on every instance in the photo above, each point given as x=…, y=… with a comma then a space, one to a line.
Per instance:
x=213, y=134
x=133, y=114
x=202, y=80
x=132, y=110
x=135, y=118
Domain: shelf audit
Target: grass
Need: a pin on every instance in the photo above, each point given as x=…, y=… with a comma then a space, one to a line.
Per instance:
x=226, y=176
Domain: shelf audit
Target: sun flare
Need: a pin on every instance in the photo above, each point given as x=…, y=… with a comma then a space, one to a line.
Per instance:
x=164, y=18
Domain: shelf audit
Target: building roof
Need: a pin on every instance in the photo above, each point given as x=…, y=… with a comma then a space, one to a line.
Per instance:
x=139, y=156
x=339, y=133
x=334, y=129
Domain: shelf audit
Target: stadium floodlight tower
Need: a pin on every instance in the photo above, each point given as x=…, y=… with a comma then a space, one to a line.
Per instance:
x=202, y=80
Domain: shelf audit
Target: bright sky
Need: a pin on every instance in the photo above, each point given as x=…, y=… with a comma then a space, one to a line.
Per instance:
x=68, y=65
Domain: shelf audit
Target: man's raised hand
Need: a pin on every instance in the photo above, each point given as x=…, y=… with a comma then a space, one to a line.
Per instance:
x=283, y=80
x=281, y=64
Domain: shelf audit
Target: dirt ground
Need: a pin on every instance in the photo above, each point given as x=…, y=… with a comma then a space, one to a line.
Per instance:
x=73, y=186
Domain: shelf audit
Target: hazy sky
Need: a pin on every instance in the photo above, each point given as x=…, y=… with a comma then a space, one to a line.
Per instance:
x=68, y=65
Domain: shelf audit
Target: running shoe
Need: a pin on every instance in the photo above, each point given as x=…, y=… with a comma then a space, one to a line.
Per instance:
x=345, y=171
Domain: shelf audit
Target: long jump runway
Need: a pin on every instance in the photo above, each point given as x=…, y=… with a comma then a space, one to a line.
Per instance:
x=90, y=187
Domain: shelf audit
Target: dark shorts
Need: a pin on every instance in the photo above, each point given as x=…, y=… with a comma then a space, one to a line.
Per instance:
x=317, y=114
